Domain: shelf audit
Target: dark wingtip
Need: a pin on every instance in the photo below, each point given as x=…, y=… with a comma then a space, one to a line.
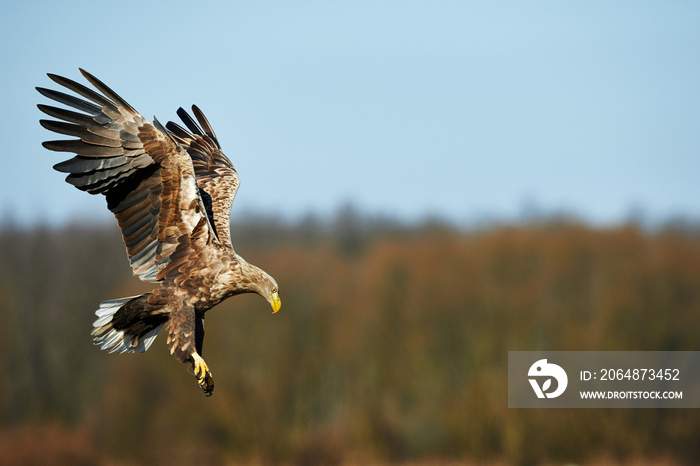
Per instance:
x=189, y=122
x=43, y=91
x=44, y=108
x=204, y=123
x=60, y=167
x=46, y=124
x=182, y=113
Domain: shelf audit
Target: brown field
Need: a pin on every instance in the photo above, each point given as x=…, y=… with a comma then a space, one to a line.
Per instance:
x=390, y=348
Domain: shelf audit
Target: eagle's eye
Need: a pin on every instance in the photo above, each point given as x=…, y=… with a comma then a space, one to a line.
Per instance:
x=274, y=290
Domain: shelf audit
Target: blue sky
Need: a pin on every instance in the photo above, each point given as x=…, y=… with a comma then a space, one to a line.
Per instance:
x=463, y=110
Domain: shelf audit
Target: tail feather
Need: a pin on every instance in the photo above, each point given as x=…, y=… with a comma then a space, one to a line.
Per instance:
x=126, y=325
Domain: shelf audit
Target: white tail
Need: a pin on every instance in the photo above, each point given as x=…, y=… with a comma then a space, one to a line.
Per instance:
x=118, y=341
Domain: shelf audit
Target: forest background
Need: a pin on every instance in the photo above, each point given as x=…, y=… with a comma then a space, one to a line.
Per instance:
x=391, y=346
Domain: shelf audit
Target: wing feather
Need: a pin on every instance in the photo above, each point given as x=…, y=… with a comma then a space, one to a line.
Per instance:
x=74, y=102
x=205, y=125
x=146, y=176
x=217, y=179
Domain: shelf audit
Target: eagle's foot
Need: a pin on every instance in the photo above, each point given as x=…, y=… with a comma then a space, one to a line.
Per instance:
x=203, y=374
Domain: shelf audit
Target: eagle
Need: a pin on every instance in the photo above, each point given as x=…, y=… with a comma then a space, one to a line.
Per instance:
x=171, y=189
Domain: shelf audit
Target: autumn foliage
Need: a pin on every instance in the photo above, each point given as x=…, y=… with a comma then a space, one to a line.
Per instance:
x=391, y=346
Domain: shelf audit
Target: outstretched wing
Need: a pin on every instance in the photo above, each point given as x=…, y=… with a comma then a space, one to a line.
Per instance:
x=147, y=178
x=216, y=178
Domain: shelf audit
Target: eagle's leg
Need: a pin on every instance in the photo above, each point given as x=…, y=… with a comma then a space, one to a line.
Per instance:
x=201, y=370
x=185, y=335
x=203, y=374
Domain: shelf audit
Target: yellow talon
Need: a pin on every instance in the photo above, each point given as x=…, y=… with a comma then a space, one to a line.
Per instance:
x=203, y=374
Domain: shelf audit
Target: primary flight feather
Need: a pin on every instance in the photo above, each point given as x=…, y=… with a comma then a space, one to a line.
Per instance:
x=171, y=190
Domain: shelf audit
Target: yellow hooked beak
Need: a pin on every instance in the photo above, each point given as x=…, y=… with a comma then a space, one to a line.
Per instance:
x=276, y=302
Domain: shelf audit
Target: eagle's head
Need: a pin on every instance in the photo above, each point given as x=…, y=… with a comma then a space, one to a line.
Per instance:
x=256, y=280
x=270, y=291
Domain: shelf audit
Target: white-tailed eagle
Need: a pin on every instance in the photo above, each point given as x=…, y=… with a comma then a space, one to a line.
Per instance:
x=171, y=190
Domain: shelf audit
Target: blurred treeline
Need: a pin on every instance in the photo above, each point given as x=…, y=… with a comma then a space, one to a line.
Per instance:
x=391, y=346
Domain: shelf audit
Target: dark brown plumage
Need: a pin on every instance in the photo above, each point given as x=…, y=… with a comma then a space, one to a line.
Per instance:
x=171, y=191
